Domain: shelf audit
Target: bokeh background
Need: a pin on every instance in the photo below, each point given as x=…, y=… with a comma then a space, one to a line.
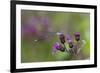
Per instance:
x=38, y=34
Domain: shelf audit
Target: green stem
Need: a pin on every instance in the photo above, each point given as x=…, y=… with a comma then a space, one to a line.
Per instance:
x=65, y=47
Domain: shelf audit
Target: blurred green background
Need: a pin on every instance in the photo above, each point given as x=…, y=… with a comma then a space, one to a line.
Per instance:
x=38, y=34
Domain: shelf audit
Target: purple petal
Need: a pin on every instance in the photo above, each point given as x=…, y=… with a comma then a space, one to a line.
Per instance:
x=68, y=38
x=55, y=47
x=61, y=37
x=77, y=34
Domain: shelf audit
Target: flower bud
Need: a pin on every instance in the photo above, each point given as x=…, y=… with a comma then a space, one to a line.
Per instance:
x=61, y=37
x=62, y=49
x=68, y=38
x=77, y=36
x=71, y=45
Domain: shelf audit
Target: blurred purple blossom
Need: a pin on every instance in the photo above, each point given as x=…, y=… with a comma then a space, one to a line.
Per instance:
x=45, y=22
x=36, y=27
x=28, y=30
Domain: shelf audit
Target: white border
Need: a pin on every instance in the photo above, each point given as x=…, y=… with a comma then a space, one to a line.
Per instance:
x=57, y=63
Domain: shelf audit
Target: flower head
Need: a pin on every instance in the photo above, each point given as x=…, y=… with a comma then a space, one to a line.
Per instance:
x=56, y=47
x=69, y=40
x=61, y=37
x=77, y=36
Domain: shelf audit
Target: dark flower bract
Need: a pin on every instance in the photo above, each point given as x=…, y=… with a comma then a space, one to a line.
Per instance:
x=61, y=37
x=77, y=36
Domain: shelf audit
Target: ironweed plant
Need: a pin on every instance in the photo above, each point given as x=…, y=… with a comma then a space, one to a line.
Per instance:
x=73, y=46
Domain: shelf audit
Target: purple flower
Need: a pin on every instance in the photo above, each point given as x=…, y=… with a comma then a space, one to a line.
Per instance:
x=69, y=40
x=55, y=47
x=61, y=37
x=77, y=36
